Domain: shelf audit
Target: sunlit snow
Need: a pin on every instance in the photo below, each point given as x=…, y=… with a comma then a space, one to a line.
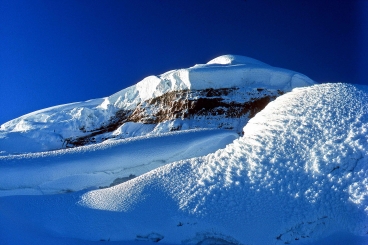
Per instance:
x=99, y=165
x=298, y=174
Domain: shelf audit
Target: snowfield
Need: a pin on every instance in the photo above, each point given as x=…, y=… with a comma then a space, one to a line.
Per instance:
x=99, y=165
x=298, y=175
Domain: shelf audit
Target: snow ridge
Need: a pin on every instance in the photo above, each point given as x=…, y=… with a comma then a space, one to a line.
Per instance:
x=299, y=173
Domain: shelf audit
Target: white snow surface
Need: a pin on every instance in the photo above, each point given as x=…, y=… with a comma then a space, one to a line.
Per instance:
x=99, y=165
x=47, y=129
x=299, y=175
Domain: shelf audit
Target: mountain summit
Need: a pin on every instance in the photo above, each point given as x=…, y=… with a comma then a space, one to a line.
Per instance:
x=224, y=93
x=231, y=152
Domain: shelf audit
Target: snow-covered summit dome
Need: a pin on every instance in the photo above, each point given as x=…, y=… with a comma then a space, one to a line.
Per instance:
x=226, y=71
x=230, y=59
x=50, y=128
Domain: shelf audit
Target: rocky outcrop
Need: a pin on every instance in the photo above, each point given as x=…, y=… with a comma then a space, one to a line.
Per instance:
x=227, y=108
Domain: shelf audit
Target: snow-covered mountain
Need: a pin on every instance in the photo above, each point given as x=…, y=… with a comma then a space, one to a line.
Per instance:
x=221, y=95
x=296, y=172
x=224, y=93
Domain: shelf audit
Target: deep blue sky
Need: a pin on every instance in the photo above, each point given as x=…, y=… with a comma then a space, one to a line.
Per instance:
x=55, y=52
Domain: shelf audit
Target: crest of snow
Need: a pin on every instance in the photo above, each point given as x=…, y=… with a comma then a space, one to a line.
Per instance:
x=235, y=60
x=299, y=173
x=223, y=72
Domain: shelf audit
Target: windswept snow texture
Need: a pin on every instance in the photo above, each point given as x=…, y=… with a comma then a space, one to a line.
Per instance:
x=54, y=127
x=299, y=175
x=101, y=165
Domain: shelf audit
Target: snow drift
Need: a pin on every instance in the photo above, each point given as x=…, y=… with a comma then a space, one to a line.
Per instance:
x=298, y=174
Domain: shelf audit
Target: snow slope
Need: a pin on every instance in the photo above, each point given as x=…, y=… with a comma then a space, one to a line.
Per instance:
x=52, y=128
x=299, y=175
x=101, y=165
